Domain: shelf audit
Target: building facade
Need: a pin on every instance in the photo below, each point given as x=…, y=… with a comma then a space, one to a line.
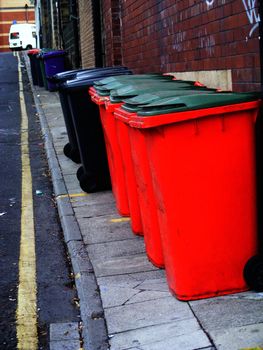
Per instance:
x=206, y=39
x=214, y=41
x=21, y=11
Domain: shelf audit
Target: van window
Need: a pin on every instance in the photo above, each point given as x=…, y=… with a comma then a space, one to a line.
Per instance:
x=14, y=35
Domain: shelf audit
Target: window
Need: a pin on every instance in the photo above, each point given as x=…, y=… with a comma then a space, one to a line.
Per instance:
x=14, y=35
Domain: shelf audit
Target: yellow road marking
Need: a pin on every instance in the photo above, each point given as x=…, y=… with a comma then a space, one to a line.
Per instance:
x=72, y=195
x=26, y=313
x=120, y=219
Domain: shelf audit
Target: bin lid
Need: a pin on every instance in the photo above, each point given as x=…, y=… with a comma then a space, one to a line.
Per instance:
x=98, y=73
x=194, y=102
x=46, y=49
x=76, y=84
x=55, y=53
x=135, y=76
x=105, y=69
x=42, y=52
x=135, y=103
x=122, y=93
x=33, y=52
x=85, y=81
x=130, y=87
x=72, y=71
x=85, y=72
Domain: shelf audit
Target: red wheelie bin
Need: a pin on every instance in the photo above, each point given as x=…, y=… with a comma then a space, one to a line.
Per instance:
x=201, y=153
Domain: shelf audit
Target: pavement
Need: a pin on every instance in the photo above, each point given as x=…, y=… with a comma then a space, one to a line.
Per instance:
x=124, y=300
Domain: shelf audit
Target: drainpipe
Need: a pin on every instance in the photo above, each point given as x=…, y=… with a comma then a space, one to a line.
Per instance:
x=260, y=10
x=52, y=24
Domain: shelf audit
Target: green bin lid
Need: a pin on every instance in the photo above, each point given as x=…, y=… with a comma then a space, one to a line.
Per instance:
x=135, y=103
x=135, y=89
x=137, y=83
x=133, y=76
x=193, y=102
x=118, y=95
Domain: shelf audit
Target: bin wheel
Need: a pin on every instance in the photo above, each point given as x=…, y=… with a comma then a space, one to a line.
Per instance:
x=80, y=173
x=73, y=154
x=87, y=183
x=253, y=273
x=67, y=150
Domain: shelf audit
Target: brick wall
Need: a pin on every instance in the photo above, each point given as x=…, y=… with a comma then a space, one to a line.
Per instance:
x=90, y=33
x=111, y=12
x=86, y=33
x=182, y=35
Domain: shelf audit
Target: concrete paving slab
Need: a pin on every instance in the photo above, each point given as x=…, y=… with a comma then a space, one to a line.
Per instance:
x=144, y=295
x=227, y=311
x=80, y=199
x=59, y=146
x=250, y=336
x=192, y=341
x=116, y=249
x=105, y=229
x=94, y=198
x=72, y=183
x=155, y=284
x=94, y=210
x=131, y=280
x=122, y=265
x=145, y=314
x=67, y=167
x=185, y=334
x=126, y=290
x=60, y=151
x=116, y=296
x=250, y=295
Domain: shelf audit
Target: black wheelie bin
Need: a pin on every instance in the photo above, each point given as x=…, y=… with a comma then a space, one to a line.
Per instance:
x=84, y=116
x=33, y=65
x=71, y=149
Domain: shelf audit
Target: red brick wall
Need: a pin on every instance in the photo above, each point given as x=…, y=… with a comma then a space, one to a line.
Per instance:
x=183, y=35
x=111, y=32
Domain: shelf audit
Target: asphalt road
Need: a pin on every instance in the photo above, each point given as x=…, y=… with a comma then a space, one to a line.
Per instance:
x=56, y=295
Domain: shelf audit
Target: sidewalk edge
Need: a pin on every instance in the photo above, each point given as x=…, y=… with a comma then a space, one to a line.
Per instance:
x=94, y=329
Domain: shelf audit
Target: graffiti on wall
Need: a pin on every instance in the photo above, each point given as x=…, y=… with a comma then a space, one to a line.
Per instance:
x=209, y=2
x=251, y=11
x=252, y=14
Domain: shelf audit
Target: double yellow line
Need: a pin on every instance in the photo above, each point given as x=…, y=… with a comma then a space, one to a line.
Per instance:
x=26, y=313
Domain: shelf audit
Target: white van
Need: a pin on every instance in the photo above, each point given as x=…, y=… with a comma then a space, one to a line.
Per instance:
x=22, y=36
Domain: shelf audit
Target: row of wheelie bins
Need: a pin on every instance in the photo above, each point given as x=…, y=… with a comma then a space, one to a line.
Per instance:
x=44, y=63
x=180, y=160
x=182, y=164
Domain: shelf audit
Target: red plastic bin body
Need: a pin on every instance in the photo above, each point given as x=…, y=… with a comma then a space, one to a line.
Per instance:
x=148, y=205
x=114, y=156
x=203, y=168
x=127, y=163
